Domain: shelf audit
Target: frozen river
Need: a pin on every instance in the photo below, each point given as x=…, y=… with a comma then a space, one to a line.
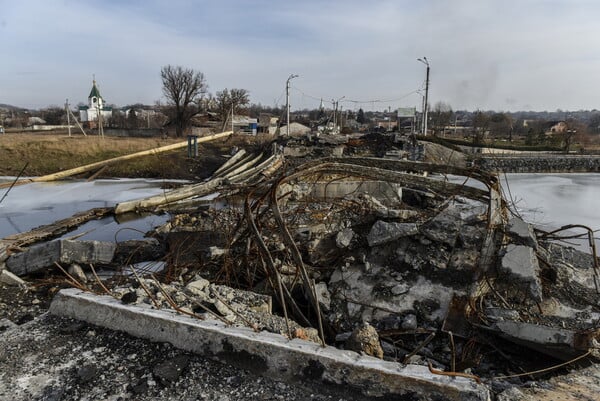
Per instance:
x=547, y=200
x=32, y=205
x=551, y=201
x=554, y=200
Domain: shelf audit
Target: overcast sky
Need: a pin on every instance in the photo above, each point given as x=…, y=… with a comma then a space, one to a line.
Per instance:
x=484, y=54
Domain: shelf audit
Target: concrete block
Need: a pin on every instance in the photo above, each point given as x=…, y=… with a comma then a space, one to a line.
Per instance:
x=137, y=251
x=383, y=232
x=554, y=341
x=444, y=227
x=522, y=232
x=521, y=263
x=9, y=278
x=62, y=251
x=269, y=354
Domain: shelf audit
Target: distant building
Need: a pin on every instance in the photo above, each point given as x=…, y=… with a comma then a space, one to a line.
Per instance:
x=89, y=114
x=558, y=127
x=266, y=122
x=386, y=123
x=31, y=121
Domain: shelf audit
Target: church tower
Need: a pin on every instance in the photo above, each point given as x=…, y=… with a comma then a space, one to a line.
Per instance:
x=95, y=99
x=89, y=115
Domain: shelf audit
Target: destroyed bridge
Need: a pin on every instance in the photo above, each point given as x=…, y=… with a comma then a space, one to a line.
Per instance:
x=396, y=279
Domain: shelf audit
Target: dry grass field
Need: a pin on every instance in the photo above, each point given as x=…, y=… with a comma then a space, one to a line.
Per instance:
x=50, y=153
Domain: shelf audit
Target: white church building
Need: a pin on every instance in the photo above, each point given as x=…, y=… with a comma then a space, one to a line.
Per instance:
x=88, y=115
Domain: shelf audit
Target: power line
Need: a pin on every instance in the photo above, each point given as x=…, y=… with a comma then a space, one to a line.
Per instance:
x=358, y=101
x=382, y=100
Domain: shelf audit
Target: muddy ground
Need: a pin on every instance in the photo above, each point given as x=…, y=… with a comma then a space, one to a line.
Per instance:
x=54, y=359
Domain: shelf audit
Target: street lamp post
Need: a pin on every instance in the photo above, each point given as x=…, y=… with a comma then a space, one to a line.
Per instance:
x=287, y=102
x=426, y=62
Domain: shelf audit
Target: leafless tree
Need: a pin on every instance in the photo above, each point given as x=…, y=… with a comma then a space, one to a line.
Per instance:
x=501, y=125
x=576, y=132
x=481, y=123
x=183, y=88
x=440, y=117
x=229, y=100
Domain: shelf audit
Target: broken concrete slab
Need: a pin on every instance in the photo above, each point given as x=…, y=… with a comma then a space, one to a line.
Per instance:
x=60, y=251
x=521, y=232
x=9, y=278
x=444, y=227
x=459, y=219
x=380, y=209
x=470, y=211
x=269, y=354
x=383, y=232
x=339, y=189
x=374, y=296
x=521, y=263
x=136, y=251
x=557, y=342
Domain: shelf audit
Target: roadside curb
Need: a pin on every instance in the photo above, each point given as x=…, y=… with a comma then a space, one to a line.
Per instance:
x=268, y=354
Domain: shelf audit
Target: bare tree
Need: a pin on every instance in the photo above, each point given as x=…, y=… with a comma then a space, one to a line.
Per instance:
x=440, y=117
x=229, y=100
x=577, y=132
x=594, y=124
x=183, y=88
x=132, y=119
x=501, y=125
x=54, y=115
x=481, y=123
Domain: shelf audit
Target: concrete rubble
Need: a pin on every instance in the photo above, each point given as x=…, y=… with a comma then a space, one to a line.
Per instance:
x=60, y=251
x=428, y=288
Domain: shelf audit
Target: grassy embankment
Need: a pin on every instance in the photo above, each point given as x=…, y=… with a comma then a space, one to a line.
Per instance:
x=50, y=153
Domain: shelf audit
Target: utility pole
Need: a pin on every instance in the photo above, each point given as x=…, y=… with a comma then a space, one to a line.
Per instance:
x=232, y=117
x=100, y=127
x=287, y=102
x=69, y=112
x=68, y=116
x=426, y=62
x=333, y=103
x=335, y=108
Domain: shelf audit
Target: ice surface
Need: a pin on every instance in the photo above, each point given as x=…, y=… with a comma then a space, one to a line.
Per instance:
x=32, y=205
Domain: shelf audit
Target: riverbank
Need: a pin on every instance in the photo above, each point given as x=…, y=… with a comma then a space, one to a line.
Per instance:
x=50, y=153
x=539, y=163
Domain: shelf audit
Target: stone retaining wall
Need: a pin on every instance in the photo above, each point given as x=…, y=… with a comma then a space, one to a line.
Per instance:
x=540, y=164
